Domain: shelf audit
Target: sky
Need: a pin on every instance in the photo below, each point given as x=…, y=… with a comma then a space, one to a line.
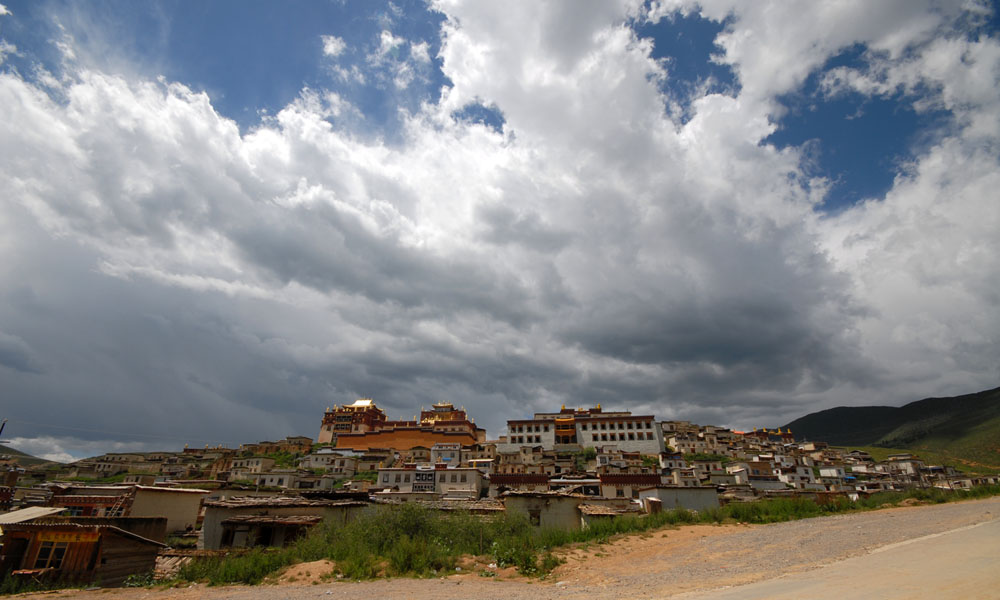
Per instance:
x=219, y=219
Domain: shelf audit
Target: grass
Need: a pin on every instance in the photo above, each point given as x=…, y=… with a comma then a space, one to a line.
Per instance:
x=410, y=540
x=15, y=585
x=935, y=455
x=119, y=478
x=178, y=542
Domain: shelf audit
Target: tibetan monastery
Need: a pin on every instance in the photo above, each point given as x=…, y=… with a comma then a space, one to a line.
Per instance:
x=363, y=425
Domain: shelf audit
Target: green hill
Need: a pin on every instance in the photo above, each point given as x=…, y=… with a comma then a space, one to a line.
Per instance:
x=962, y=430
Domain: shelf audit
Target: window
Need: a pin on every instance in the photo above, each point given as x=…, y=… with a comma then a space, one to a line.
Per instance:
x=595, y=437
x=620, y=493
x=50, y=555
x=443, y=478
x=630, y=425
x=631, y=436
x=454, y=478
x=604, y=426
x=281, y=481
x=406, y=478
x=398, y=477
x=621, y=426
x=385, y=478
x=604, y=437
x=535, y=516
x=464, y=478
x=545, y=428
x=583, y=427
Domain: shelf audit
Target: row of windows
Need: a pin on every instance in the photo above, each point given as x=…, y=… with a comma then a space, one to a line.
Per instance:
x=526, y=439
x=443, y=478
x=604, y=437
x=528, y=428
x=628, y=425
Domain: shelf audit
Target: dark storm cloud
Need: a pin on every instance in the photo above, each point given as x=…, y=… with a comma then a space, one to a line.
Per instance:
x=322, y=248
x=15, y=354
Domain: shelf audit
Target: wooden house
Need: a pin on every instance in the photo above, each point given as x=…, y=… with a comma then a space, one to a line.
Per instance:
x=72, y=553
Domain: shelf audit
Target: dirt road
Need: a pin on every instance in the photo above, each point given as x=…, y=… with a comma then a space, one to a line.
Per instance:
x=963, y=563
x=662, y=564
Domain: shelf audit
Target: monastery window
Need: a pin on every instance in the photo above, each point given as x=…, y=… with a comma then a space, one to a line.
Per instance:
x=545, y=428
x=398, y=477
x=595, y=437
x=464, y=478
x=454, y=478
x=620, y=493
x=631, y=436
x=604, y=437
x=649, y=435
x=406, y=478
x=630, y=424
x=604, y=426
x=583, y=427
x=621, y=426
x=443, y=478
x=649, y=425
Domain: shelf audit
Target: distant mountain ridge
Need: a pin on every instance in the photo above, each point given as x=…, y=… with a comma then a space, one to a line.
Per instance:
x=965, y=428
x=23, y=458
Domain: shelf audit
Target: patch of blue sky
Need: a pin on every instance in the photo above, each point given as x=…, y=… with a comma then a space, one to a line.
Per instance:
x=251, y=56
x=685, y=45
x=858, y=143
x=478, y=113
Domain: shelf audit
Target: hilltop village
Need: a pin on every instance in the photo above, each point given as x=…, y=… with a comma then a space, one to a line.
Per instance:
x=107, y=518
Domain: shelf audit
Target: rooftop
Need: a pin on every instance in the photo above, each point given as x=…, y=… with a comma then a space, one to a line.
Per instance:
x=279, y=501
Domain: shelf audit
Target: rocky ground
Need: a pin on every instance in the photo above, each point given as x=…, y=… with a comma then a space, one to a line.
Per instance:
x=653, y=565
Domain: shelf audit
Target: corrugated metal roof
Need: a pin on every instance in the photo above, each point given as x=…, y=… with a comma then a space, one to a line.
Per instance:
x=30, y=513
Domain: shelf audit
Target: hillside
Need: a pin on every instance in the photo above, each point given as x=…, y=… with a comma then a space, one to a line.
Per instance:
x=962, y=430
x=23, y=458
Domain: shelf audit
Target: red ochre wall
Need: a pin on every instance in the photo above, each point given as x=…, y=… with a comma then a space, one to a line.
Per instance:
x=402, y=439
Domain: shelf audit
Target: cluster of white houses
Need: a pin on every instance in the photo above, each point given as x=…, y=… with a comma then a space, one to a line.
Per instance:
x=562, y=469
